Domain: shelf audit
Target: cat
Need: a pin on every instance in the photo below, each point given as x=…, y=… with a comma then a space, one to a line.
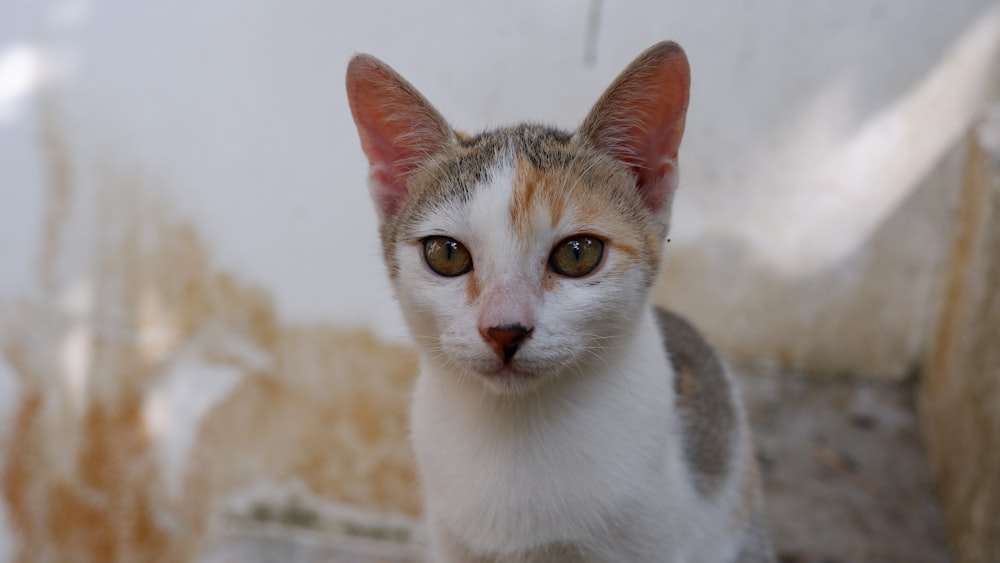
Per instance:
x=558, y=415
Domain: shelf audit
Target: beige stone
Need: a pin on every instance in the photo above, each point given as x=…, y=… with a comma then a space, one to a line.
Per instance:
x=960, y=397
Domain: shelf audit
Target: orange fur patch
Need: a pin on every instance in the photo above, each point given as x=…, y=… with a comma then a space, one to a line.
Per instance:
x=625, y=248
x=549, y=281
x=472, y=288
x=526, y=180
x=532, y=186
x=559, y=192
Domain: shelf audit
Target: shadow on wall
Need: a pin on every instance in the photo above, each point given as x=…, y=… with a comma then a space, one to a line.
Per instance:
x=876, y=307
x=764, y=96
x=833, y=261
x=159, y=386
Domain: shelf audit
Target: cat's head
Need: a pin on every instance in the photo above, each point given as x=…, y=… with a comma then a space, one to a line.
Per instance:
x=522, y=254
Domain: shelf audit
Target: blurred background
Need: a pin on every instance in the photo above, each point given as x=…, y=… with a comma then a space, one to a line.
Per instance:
x=201, y=355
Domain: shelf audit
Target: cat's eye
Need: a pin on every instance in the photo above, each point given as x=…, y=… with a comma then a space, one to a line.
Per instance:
x=576, y=256
x=447, y=256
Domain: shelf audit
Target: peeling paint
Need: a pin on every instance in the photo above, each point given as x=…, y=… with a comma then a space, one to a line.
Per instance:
x=154, y=385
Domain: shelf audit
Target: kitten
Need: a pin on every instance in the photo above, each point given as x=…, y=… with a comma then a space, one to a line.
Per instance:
x=558, y=415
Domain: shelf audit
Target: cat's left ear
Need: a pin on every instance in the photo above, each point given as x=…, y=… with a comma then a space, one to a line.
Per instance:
x=399, y=129
x=640, y=121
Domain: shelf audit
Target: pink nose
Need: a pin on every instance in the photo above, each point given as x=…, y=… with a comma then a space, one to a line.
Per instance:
x=505, y=340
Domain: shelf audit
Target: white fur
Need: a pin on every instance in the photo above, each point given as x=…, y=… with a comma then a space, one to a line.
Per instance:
x=586, y=452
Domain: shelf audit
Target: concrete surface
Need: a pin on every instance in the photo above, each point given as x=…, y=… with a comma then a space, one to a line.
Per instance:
x=845, y=476
x=845, y=473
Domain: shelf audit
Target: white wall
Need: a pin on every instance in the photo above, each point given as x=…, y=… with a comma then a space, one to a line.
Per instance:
x=818, y=176
x=810, y=124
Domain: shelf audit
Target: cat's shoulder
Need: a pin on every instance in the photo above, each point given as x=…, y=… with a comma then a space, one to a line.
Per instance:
x=705, y=401
x=687, y=347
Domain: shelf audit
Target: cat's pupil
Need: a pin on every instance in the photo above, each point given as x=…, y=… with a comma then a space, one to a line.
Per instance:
x=447, y=256
x=576, y=256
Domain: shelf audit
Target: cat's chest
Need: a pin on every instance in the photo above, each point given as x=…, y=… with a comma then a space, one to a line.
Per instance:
x=555, y=470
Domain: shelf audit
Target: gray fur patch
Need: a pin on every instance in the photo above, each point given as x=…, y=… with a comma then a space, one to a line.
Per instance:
x=756, y=547
x=704, y=401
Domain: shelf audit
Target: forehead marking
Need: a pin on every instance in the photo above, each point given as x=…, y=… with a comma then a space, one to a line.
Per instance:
x=532, y=187
x=523, y=198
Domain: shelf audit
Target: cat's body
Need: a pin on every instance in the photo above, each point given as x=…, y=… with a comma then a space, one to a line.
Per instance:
x=558, y=415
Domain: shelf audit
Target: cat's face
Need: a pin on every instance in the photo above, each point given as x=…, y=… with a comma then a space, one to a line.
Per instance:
x=522, y=254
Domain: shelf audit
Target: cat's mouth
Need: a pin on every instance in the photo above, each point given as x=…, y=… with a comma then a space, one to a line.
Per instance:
x=510, y=379
x=502, y=371
x=514, y=376
x=523, y=373
x=509, y=370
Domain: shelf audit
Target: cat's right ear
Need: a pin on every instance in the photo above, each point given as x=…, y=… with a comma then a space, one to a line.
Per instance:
x=398, y=128
x=640, y=121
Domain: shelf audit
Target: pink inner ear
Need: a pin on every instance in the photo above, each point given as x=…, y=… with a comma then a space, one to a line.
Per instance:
x=398, y=128
x=388, y=190
x=386, y=172
x=640, y=120
x=655, y=165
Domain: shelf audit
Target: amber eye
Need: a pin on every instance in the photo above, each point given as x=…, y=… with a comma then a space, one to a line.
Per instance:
x=576, y=256
x=447, y=256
